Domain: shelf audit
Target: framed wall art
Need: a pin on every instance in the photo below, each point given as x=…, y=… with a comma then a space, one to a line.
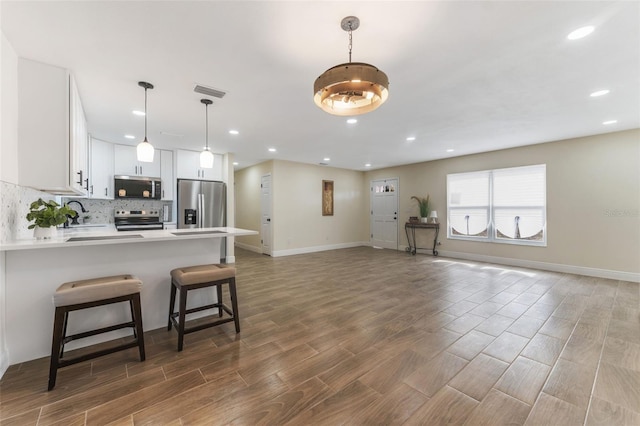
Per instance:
x=327, y=198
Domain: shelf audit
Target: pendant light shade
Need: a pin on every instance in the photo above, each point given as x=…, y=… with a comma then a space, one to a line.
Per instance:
x=145, y=150
x=206, y=157
x=352, y=88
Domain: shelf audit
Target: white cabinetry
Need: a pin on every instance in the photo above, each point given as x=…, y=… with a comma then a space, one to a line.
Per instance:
x=126, y=163
x=101, y=170
x=188, y=166
x=166, y=174
x=52, y=130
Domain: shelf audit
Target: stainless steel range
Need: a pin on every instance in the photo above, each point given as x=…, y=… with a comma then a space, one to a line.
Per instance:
x=137, y=220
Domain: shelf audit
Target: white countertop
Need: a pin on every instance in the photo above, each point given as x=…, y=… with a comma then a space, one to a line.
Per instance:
x=91, y=236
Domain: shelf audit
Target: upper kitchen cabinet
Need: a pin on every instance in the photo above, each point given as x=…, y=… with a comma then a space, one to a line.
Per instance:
x=166, y=174
x=101, y=170
x=52, y=130
x=188, y=166
x=126, y=162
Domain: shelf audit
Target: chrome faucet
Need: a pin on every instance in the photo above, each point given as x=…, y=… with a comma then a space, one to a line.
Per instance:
x=74, y=219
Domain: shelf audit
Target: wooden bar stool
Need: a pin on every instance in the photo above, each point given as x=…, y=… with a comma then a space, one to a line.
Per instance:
x=76, y=295
x=200, y=276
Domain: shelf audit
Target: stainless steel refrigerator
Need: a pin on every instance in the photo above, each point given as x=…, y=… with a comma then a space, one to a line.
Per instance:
x=203, y=204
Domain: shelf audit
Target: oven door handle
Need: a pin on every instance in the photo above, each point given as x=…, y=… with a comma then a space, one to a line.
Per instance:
x=135, y=227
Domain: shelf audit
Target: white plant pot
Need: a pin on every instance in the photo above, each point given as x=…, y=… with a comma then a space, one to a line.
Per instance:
x=424, y=220
x=44, y=233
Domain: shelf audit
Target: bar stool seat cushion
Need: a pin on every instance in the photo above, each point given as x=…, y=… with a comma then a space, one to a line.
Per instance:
x=191, y=275
x=95, y=289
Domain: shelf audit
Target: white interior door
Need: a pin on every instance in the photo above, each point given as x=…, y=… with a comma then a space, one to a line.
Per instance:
x=265, y=208
x=384, y=213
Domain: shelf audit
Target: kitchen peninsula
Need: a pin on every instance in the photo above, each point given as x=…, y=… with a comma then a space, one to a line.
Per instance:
x=35, y=268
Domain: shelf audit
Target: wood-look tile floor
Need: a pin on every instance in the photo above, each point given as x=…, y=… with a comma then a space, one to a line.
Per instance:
x=363, y=336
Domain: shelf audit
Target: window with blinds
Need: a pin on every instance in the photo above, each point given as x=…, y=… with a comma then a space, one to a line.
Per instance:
x=504, y=205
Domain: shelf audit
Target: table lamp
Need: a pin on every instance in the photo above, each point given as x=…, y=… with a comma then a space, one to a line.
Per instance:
x=434, y=216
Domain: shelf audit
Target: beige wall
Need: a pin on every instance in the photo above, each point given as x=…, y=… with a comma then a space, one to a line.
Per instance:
x=297, y=221
x=593, y=204
x=247, y=199
x=593, y=200
x=297, y=207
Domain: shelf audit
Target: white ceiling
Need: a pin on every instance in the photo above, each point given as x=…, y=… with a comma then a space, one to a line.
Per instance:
x=470, y=76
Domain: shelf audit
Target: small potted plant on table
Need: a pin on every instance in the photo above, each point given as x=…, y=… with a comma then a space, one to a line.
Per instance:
x=46, y=216
x=423, y=205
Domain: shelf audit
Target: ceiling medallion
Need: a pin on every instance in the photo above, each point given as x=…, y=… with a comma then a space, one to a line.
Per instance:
x=351, y=88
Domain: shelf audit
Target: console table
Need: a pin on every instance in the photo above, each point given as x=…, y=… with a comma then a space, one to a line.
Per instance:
x=410, y=230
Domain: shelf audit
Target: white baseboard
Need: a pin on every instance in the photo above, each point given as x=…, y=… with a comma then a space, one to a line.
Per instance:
x=4, y=362
x=249, y=247
x=230, y=259
x=546, y=266
x=314, y=249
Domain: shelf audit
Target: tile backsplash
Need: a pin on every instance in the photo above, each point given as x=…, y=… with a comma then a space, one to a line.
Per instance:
x=101, y=211
x=15, y=201
x=14, y=206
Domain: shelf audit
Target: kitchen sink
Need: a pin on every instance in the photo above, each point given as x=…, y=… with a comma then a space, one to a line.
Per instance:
x=179, y=234
x=104, y=237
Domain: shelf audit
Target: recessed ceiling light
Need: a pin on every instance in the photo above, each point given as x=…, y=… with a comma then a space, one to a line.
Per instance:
x=272, y=150
x=352, y=121
x=368, y=165
x=411, y=138
x=608, y=122
x=450, y=150
x=580, y=32
x=136, y=112
x=233, y=132
x=129, y=136
x=235, y=163
x=599, y=93
x=326, y=159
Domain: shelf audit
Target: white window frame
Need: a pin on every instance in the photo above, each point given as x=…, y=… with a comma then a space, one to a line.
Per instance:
x=491, y=230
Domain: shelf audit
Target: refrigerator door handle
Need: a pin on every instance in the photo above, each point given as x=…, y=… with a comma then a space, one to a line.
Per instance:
x=199, y=207
x=202, y=214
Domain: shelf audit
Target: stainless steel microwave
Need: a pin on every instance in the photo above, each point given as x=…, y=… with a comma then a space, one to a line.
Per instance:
x=137, y=187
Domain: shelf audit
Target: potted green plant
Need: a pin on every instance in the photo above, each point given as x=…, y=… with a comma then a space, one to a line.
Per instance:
x=423, y=205
x=46, y=216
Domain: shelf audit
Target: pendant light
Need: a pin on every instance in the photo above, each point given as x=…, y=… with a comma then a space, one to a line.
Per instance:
x=145, y=149
x=206, y=157
x=351, y=88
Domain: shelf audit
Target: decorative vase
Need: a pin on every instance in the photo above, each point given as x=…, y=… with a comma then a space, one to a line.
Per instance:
x=44, y=233
x=424, y=220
